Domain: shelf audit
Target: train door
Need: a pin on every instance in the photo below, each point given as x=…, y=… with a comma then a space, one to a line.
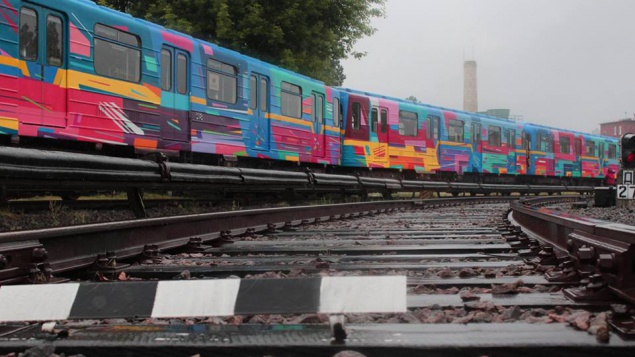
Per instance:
x=433, y=136
x=477, y=149
x=318, y=125
x=601, y=156
x=338, y=120
x=527, y=148
x=550, y=154
x=578, y=153
x=175, y=69
x=382, y=134
x=42, y=38
x=511, y=151
x=434, y=131
x=259, y=105
x=379, y=126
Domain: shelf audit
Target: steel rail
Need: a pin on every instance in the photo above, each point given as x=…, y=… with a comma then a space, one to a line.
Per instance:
x=406, y=340
x=35, y=255
x=601, y=250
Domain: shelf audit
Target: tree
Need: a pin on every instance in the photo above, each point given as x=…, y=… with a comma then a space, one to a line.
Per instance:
x=413, y=99
x=310, y=36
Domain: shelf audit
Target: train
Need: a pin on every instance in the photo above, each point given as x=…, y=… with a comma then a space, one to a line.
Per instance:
x=75, y=75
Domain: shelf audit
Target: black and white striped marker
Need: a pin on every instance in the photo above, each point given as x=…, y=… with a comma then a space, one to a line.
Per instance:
x=184, y=298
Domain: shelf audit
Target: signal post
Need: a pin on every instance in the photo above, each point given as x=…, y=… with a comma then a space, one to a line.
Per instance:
x=626, y=177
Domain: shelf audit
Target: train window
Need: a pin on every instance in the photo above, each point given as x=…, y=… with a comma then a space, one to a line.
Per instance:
x=476, y=133
x=601, y=150
x=317, y=112
x=166, y=70
x=526, y=141
x=117, y=35
x=541, y=141
x=612, y=151
x=181, y=72
x=117, y=54
x=511, y=138
x=545, y=142
x=222, y=81
x=291, y=100
x=433, y=127
x=356, y=115
x=336, y=112
x=384, y=121
x=408, y=123
x=54, y=41
x=589, y=148
x=29, y=46
x=253, y=92
x=550, y=145
x=565, y=145
x=313, y=104
x=373, y=120
x=578, y=147
x=264, y=99
x=456, y=131
x=494, y=135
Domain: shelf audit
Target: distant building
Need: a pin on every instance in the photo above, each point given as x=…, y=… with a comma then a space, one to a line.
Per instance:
x=618, y=128
x=470, y=95
x=497, y=113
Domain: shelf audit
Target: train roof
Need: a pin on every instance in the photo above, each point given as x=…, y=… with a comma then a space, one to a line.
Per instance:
x=356, y=91
x=570, y=131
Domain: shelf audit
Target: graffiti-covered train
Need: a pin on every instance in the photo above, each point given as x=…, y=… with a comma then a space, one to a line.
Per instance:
x=77, y=75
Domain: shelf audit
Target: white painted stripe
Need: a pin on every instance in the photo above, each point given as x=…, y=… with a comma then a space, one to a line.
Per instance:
x=124, y=119
x=37, y=302
x=82, y=25
x=196, y=298
x=363, y=294
x=118, y=116
x=115, y=115
x=107, y=112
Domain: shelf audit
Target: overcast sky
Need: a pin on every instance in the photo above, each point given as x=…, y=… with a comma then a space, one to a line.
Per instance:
x=564, y=63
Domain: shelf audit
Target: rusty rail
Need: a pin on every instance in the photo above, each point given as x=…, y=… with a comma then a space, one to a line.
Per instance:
x=598, y=253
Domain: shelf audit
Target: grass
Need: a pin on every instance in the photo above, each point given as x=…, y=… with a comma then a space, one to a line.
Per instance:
x=102, y=196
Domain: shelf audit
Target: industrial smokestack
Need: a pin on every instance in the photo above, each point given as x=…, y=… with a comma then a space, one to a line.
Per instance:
x=470, y=95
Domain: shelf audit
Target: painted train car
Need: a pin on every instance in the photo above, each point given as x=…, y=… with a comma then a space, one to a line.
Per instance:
x=390, y=133
x=79, y=76
x=74, y=71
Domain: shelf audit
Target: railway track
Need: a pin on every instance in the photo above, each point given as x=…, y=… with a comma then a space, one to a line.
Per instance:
x=451, y=275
